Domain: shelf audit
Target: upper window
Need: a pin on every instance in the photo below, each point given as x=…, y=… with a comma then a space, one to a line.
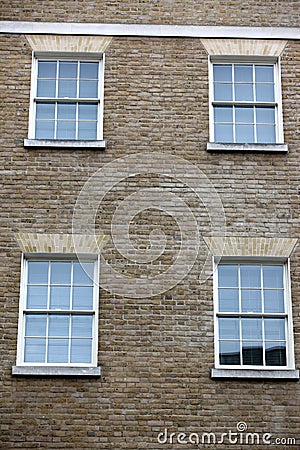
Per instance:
x=253, y=316
x=245, y=103
x=58, y=313
x=67, y=99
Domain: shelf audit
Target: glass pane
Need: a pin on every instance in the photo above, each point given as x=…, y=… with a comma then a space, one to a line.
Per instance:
x=61, y=272
x=60, y=297
x=275, y=329
x=274, y=301
x=275, y=354
x=251, y=300
x=44, y=129
x=265, y=115
x=68, y=69
x=82, y=326
x=223, y=92
x=223, y=114
x=88, y=89
x=223, y=133
x=35, y=325
x=229, y=328
x=81, y=351
x=87, y=131
x=228, y=300
x=252, y=353
x=83, y=273
x=244, y=92
x=66, y=130
x=266, y=134
x=88, y=111
x=250, y=276
x=46, y=88
x=244, y=114
x=35, y=350
x=273, y=276
x=58, y=350
x=244, y=133
x=45, y=111
x=67, y=89
x=37, y=297
x=243, y=73
x=223, y=72
x=66, y=111
x=89, y=70
x=264, y=74
x=252, y=329
x=59, y=325
x=47, y=69
x=265, y=92
x=37, y=272
x=229, y=352
x=228, y=275
x=82, y=298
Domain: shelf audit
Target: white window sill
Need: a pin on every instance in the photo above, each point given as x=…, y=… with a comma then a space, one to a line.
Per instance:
x=56, y=371
x=54, y=143
x=258, y=374
x=219, y=147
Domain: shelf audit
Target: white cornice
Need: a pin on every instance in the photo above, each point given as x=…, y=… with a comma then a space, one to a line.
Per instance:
x=184, y=31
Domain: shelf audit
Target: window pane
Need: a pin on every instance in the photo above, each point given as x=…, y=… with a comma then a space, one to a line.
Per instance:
x=275, y=354
x=265, y=92
x=82, y=298
x=244, y=114
x=45, y=111
x=36, y=325
x=46, y=88
x=88, y=111
x=223, y=72
x=87, y=130
x=60, y=297
x=229, y=352
x=252, y=329
x=47, y=69
x=83, y=273
x=68, y=69
x=58, y=350
x=264, y=73
x=266, y=134
x=61, y=272
x=66, y=130
x=274, y=301
x=273, y=276
x=223, y=133
x=265, y=115
x=66, y=111
x=250, y=276
x=243, y=73
x=89, y=70
x=252, y=353
x=223, y=114
x=244, y=133
x=44, y=129
x=228, y=275
x=223, y=92
x=81, y=351
x=244, y=92
x=67, y=89
x=35, y=350
x=37, y=272
x=229, y=300
x=88, y=89
x=59, y=325
x=229, y=328
x=82, y=326
x=37, y=297
x=251, y=300
x=275, y=329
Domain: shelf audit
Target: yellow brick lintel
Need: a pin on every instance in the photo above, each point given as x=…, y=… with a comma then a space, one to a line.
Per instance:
x=244, y=47
x=69, y=44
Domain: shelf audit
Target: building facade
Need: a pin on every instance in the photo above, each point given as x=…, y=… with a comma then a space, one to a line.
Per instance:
x=150, y=218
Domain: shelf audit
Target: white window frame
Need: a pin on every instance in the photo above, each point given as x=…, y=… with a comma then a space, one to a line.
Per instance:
x=290, y=362
x=260, y=60
x=64, y=56
x=58, y=367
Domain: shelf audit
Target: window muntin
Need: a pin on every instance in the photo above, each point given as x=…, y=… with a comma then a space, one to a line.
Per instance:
x=253, y=322
x=245, y=104
x=59, y=313
x=67, y=99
